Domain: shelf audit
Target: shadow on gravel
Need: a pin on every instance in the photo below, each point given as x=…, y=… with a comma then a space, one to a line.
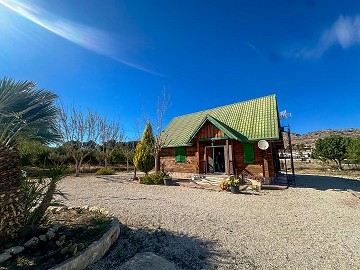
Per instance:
x=327, y=182
x=186, y=252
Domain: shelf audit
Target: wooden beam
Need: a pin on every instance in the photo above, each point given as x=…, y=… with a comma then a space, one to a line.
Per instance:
x=199, y=160
x=227, y=158
x=213, y=139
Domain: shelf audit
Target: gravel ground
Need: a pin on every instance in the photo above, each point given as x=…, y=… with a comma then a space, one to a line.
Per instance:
x=313, y=226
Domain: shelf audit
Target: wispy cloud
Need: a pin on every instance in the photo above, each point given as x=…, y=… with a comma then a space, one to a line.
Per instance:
x=344, y=32
x=252, y=47
x=90, y=38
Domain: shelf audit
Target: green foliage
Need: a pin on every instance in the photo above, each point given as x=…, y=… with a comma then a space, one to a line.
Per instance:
x=224, y=185
x=233, y=181
x=69, y=248
x=332, y=148
x=26, y=112
x=33, y=153
x=353, y=150
x=143, y=159
x=105, y=171
x=153, y=179
x=38, y=194
x=157, y=179
x=146, y=180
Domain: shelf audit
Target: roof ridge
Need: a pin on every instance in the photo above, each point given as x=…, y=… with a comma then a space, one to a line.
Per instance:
x=224, y=106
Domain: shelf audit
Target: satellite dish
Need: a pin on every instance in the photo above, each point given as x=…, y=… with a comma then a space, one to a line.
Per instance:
x=263, y=145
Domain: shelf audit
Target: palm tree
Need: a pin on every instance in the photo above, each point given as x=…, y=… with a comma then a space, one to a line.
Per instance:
x=27, y=113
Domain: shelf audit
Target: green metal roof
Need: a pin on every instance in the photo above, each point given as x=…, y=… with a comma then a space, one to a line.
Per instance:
x=251, y=120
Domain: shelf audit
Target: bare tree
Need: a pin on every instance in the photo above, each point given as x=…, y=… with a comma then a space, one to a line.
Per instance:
x=110, y=135
x=80, y=133
x=160, y=140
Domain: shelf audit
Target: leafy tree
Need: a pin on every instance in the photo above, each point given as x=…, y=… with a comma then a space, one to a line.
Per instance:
x=27, y=113
x=353, y=150
x=332, y=148
x=33, y=153
x=143, y=159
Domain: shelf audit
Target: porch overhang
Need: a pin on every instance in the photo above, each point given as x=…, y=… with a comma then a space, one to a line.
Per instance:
x=229, y=132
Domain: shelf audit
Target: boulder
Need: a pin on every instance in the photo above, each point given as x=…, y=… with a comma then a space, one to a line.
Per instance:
x=4, y=257
x=147, y=261
x=15, y=250
x=32, y=242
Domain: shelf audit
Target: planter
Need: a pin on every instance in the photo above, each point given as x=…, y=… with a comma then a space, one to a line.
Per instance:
x=167, y=181
x=234, y=189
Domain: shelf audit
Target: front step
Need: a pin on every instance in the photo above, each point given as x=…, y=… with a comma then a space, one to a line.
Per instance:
x=206, y=179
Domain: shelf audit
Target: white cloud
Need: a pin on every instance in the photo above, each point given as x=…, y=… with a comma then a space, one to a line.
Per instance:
x=344, y=32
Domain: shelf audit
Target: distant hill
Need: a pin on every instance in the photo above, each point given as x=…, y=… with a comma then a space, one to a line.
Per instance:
x=310, y=138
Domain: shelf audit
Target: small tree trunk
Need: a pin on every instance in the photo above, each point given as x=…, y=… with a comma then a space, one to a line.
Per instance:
x=106, y=162
x=338, y=164
x=77, y=168
x=134, y=172
x=157, y=163
x=127, y=164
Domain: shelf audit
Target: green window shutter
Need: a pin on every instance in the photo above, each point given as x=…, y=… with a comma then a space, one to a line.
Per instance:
x=249, y=156
x=180, y=154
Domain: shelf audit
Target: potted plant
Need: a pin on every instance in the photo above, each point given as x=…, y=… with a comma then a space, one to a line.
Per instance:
x=167, y=180
x=224, y=185
x=234, y=185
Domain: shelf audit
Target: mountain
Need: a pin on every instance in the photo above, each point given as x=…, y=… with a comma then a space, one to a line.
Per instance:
x=309, y=139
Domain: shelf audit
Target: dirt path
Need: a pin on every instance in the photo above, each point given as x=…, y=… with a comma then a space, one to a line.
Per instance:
x=313, y=226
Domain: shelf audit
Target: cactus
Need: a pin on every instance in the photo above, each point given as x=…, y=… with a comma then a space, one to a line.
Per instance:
x=73, y=249
x=64, y=250
x=81, y=246
x=61, y=241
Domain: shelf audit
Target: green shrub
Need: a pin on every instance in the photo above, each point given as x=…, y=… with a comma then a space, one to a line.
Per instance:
x=143, y=160
x=105, y=171
x=146, y=180
x=152, y=179
x=157, y=179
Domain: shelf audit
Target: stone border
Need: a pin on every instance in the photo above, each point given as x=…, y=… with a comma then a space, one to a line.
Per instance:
x=94, y=252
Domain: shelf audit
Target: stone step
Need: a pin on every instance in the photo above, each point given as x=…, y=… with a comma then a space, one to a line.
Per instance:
x=214, y=180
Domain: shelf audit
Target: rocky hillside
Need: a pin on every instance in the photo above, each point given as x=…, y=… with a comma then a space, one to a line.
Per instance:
x=310, y=138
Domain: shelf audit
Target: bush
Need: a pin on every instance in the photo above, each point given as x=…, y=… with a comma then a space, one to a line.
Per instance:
x=157, y=179
x=146, y=180
x=105, y=171
x=152, y=179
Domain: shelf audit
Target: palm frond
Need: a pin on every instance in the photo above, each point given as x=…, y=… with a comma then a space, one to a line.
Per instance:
x=26, y=112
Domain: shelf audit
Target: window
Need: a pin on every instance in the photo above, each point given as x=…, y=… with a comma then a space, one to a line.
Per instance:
x=248, y=153
x=180, y=154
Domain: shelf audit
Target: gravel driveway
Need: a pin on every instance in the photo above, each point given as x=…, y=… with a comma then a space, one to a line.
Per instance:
x=313, y=226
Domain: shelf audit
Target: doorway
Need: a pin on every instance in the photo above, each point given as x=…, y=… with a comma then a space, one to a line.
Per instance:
x=215, y=159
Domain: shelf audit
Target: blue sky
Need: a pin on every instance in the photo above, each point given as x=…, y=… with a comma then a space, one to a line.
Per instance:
x=115, y=56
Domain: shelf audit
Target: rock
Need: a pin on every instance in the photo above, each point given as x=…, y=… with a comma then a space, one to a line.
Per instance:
x=56, y=227
x=4, y=257
x=42, y=237
x=50, y=234
x=147, y=261
x=32, y=242
x=15, y=250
